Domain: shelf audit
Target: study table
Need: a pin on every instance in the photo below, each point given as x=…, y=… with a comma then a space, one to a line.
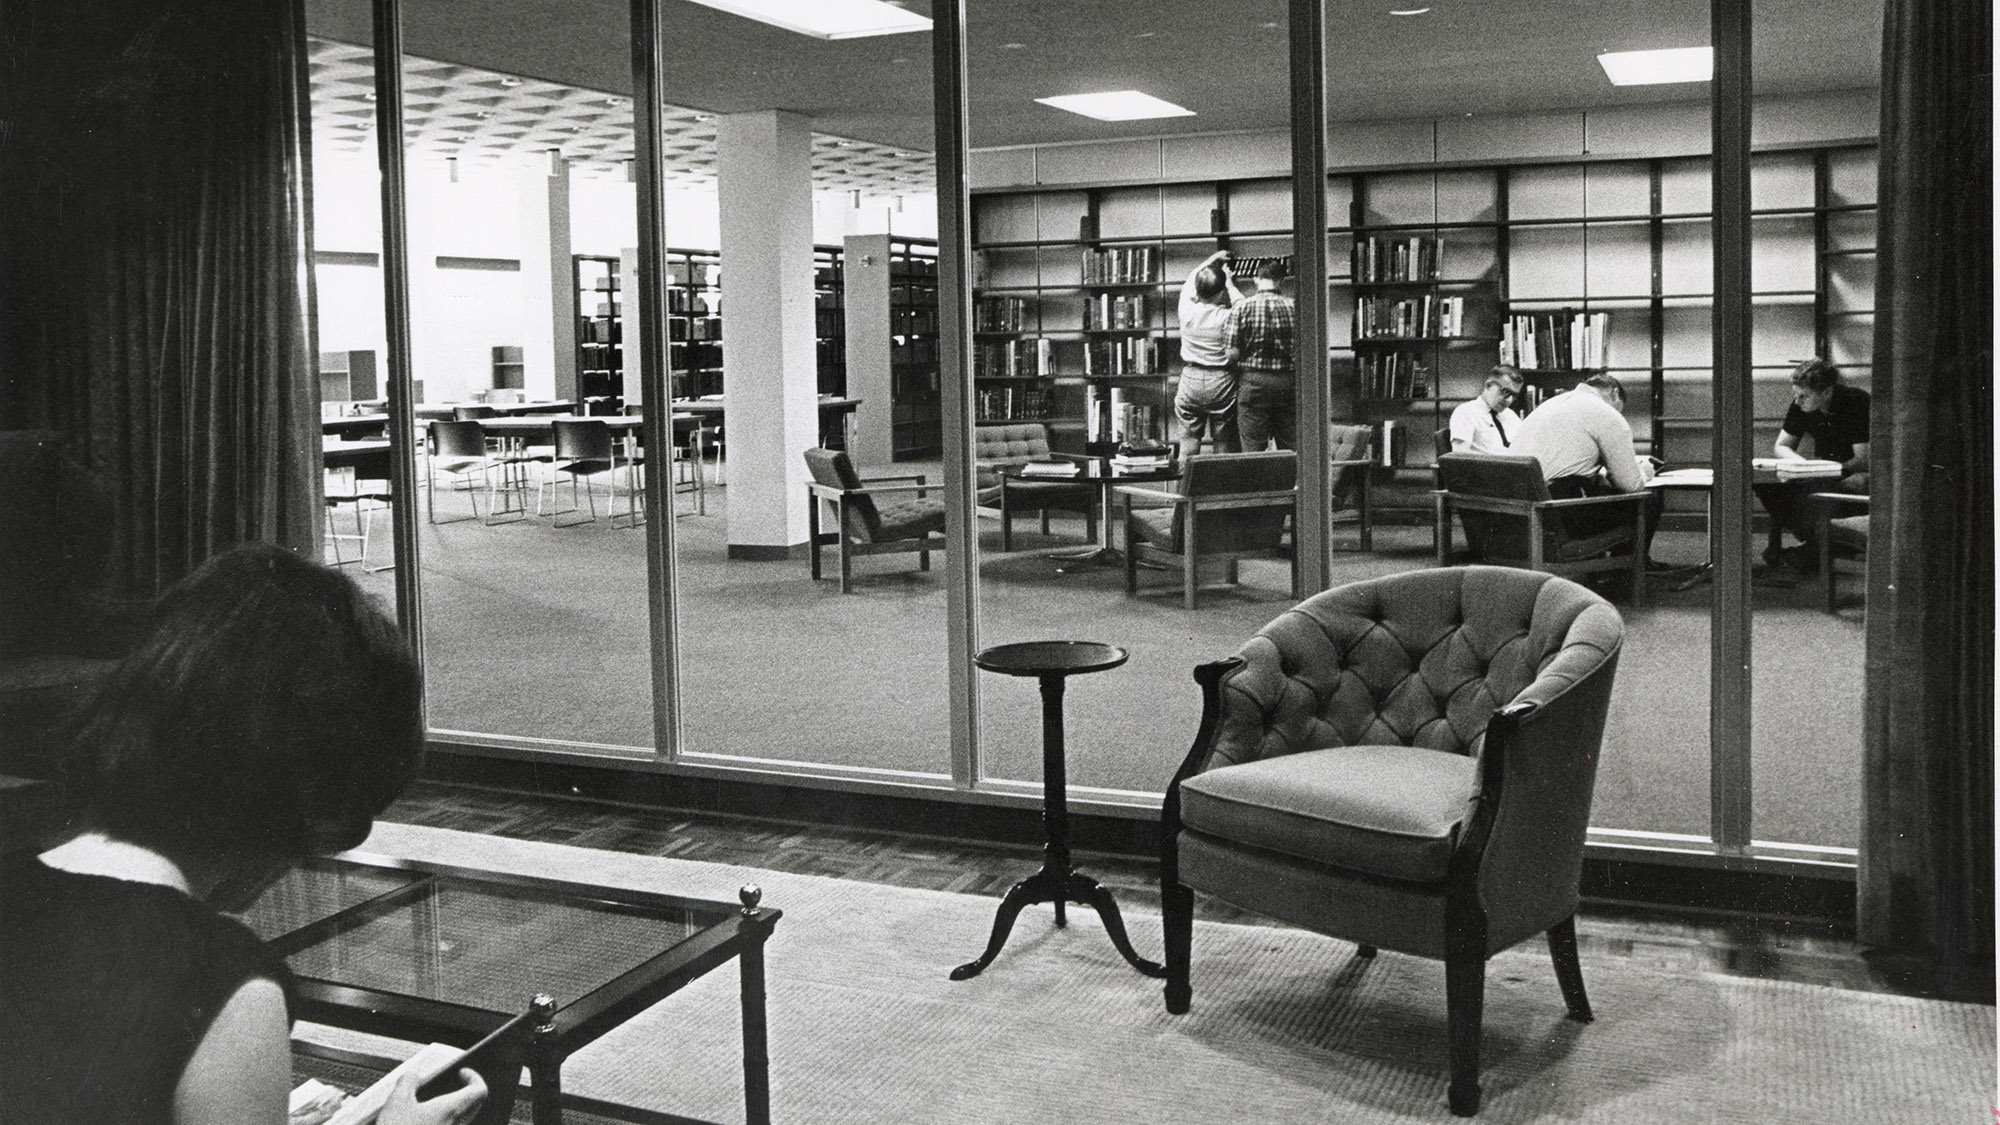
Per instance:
x=1099, y=471
x=431, y=953
x=834, y=412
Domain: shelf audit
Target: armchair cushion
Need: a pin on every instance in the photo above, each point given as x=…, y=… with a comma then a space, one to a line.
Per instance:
x=1393, y=811
x=1009, y=443
x=908, y=519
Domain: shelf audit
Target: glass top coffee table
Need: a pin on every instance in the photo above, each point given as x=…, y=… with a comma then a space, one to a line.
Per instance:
x=428, y=953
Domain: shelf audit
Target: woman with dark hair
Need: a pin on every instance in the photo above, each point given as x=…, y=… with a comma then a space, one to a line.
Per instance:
x=269, y=714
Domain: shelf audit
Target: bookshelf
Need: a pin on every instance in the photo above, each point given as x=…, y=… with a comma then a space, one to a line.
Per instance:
x=509, y=370
x=829, y=320
x=916, y=411
x=348, y=376
x=694, y=322
x=600, y=332
x=1074, y=297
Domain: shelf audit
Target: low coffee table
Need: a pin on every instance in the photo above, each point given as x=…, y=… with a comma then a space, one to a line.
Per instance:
x=1057, y=881
x=1106, y=476
x=428, y=953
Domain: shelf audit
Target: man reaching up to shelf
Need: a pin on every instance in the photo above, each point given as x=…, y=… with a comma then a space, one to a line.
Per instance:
x=1835, y=416
x=1206, y=400
x=1260, y=333
x=1487, y=424
x=1584, y=443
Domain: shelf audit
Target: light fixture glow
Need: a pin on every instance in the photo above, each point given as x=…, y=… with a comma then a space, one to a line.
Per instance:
x=1117, y=105
x=827, y=19
x=1654, y=68
x=1408, y=11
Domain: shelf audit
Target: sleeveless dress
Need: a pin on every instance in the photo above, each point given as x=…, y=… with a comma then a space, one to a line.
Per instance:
x=106, y=988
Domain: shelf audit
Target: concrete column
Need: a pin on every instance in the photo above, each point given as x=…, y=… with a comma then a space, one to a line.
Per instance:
x=548, y=283
x=865, y=284
x=771, y=377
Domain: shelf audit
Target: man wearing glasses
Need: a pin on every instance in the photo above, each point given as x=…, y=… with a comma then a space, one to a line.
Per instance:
x=1487, y=424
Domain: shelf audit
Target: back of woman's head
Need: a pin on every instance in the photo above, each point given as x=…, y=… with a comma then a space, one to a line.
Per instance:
x=271, y=707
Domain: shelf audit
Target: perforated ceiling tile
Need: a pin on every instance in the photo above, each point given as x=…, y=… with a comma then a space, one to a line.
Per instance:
x=460, y=111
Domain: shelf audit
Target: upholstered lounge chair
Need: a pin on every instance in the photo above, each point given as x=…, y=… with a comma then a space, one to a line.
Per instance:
x=1229, y=505
x=910, y=522
x=1406, y=763
x=999, y=445
x=1510, y=520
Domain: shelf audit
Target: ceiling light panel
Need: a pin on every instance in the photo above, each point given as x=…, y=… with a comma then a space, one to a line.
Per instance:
x=1655, y=68
x=1117, y=105
x=827, y=19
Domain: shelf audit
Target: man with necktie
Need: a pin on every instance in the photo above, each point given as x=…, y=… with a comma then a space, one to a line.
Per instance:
x=1487, y=424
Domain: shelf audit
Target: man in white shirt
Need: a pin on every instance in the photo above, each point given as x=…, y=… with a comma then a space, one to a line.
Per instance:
x=1584, y=443
x=1206, y=400
x=1487, y=424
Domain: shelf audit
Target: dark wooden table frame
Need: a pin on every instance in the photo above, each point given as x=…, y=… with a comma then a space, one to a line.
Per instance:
x=740, y=934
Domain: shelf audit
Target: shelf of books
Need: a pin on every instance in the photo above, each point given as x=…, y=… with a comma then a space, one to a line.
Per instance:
x=829, y=320
x=694, y=322
x=916, y=410
x=1074, y=314
x=600, y=334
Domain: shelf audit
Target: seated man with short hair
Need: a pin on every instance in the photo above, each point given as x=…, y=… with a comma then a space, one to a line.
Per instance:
x=1835, y=417
x=1584, y=444
x=1487, y=424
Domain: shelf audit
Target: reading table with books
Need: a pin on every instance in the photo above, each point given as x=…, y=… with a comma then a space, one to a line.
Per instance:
x=1130, y=465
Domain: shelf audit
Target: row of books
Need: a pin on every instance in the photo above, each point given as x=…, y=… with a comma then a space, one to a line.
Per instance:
x=599, y=332
x=1392, y=375
x=683, y=357
x=1121, y=265
x=829, y=322
x=704, y=302
x=1138, y=355
x=1555, y=341
x=600, y=357
x=912, y=322
x=1107, y=416
x=1122, y=310
x=1410, y=317
x=706, y=328
x=1012, y=358
x=914, y=349
x=996, y=404
x=1000, y=314
x=1387, y=259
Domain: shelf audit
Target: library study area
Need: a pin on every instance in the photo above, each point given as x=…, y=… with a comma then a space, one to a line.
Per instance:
x=1001, y=560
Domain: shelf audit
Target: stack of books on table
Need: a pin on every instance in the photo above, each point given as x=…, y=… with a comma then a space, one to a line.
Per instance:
x=1051, y=468
x=1142, y=460
x=1795, y=468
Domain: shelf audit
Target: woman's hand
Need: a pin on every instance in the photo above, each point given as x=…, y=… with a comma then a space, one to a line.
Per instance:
x=454, y=1108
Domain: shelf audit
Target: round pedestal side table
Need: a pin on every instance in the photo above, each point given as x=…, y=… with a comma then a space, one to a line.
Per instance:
x=1057, y=882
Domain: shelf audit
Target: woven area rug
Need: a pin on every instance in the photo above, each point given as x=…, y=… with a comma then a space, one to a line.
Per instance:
x=1286, y=1026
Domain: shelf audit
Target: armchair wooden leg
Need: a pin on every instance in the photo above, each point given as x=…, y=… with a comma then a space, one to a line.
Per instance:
x=1826, y=558
x=1177, y=920
x=1569, y=969
x=846, y=561
x=1364, y=951
x=1131, y=568
x=812, y=532
x=1465, y=1002
x=1006, y=526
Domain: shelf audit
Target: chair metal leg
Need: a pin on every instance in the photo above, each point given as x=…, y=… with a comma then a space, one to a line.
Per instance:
x=1569, y=969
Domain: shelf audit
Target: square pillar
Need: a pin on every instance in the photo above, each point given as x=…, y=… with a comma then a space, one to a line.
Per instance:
x=770, y=364
x=866, y=285
x=548, y=282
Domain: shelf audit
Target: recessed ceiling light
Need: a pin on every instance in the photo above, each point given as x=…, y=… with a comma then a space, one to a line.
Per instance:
x=1013, y=46
x=510, y=83
x=1117, y=105
x=1408, y=11
x=827, y=19
x=1652, y=68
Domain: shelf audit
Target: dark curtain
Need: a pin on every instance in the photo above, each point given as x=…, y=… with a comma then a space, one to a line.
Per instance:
x=1926, y=878
x=152, y=241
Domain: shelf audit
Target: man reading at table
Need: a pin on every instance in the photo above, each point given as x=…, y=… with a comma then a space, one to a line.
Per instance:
x=1584, y=444
x=1827, y=421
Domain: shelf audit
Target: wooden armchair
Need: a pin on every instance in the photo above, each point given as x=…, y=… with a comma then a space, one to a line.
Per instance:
x=1229, y=505
x=1406, y=763
x=1843, y=523
x=1510, y=520
x=861, y=526
x=1347, y=452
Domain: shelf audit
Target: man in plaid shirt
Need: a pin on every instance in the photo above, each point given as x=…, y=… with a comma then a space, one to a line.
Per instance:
x=1260, y=333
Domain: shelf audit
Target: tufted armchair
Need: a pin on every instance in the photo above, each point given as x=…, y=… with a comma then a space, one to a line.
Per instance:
x=1406, y=763
x=998, y=445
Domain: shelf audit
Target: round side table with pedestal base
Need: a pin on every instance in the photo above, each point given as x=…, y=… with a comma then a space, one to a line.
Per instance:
x=1057, y=882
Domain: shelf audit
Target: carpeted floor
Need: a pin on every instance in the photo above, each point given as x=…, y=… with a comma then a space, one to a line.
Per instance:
x=539, y=631
x=1286, y=1027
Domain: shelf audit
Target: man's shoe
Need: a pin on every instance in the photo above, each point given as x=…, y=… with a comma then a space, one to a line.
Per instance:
x=1779, y=577
x=1655, y=567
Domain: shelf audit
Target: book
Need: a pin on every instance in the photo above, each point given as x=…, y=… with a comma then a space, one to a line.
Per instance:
x=1050, y=469
x=315, y=1103
x=1789, y=468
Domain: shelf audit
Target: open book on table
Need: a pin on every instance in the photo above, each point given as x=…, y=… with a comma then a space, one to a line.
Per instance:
x=1797, y=466
x=316, y=1103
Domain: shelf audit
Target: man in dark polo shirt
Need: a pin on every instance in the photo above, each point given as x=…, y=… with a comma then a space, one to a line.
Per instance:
x=1828, y=421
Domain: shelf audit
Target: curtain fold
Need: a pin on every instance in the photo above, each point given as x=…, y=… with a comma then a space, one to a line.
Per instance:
x=1926, y=875
x=150, y=269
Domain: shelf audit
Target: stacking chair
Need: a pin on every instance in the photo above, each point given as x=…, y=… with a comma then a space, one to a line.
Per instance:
x=584, y=450
x=1510, y=520
x=690, y=457
x=457, y=449
x=363, y=483
x=1843, y=534
x=1229, y=505
x=1406, y=763
x=914, y=522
